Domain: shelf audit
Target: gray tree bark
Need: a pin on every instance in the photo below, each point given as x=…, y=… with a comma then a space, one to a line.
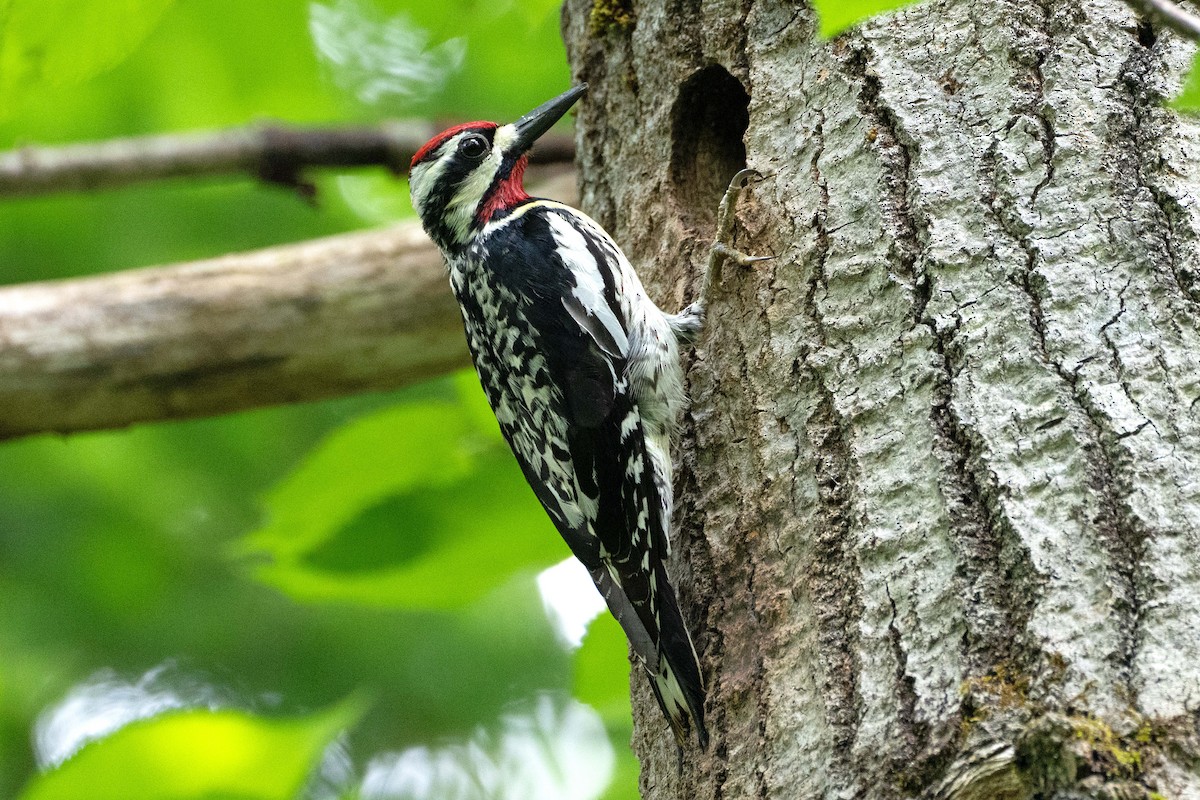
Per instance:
x=939, y=526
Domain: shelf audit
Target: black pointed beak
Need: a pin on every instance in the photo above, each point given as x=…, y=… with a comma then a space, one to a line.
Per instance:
x=542, y=118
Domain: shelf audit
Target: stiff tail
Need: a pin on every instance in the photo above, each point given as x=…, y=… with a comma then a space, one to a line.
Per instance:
x=676, y=680
x=670, y=662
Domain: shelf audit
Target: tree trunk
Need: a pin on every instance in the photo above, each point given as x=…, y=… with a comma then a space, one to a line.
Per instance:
x=939, y=524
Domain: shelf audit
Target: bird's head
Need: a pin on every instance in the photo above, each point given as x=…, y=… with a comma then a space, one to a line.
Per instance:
x=463, y=176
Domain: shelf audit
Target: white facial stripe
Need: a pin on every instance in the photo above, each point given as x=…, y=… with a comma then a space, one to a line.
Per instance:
x=505, y=136
x=460, y=210
x=423, y=178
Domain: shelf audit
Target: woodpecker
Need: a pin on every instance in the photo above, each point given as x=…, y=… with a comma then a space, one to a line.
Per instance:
x=582, y=371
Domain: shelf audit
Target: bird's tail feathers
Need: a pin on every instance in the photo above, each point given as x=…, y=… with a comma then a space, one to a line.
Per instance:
x=676, y=680
x=670, y=662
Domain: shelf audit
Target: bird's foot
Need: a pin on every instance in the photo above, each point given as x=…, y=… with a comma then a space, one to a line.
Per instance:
x=722, y=247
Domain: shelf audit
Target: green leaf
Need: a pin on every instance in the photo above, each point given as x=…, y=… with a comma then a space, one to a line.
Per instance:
x=837, y=15
x=420, y=506
x=422, y=444
x=56, y=43
x=1188, y=100
x=602, y=669
x=192, y=754
x=474, y=404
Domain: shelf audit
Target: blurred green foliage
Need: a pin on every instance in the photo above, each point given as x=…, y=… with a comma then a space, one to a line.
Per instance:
x=197, y=754
x=838, y=15
x=198, y=600
x=1188, y=100
x=55, y=43
x=385, y=531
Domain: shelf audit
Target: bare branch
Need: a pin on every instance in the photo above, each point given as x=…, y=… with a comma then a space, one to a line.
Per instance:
x=273, y=153
x=355, y=313
x=1178, y=19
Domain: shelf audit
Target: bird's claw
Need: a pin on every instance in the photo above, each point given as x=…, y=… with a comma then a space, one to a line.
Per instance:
x=722, y=248
x=738, y=257
x=744, y=178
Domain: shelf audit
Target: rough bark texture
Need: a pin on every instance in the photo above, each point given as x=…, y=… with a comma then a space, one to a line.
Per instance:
x=940, y=503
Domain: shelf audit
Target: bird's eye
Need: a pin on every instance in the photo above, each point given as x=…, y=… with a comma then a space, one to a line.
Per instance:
x=473, y=147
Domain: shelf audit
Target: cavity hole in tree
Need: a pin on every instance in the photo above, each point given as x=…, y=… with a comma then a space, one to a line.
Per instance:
x=708, y=124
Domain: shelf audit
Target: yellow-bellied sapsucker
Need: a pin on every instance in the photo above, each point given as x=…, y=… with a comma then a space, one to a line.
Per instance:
x=582, y=370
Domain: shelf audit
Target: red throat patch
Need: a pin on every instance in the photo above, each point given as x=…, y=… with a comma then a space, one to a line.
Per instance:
x=449, y=133
x=509, y=191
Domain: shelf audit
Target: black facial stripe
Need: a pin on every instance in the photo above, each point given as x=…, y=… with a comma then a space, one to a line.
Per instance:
x=458, y=168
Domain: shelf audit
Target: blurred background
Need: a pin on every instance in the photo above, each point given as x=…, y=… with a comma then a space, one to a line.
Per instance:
x=357, y=598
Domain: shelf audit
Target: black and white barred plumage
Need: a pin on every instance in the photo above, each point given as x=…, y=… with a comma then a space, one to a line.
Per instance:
x=582, y=370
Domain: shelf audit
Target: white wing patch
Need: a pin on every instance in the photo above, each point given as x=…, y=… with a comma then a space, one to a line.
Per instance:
x=589, y=286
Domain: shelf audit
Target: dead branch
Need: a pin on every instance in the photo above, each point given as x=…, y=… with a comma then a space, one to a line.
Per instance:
x=274, y=153
x=354, y=313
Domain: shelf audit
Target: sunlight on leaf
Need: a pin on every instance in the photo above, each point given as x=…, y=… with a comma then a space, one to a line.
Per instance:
x=363, y=463
x=570, y=599
x=1188, y=100
x=105, y=702
x=198, y=754
x=430, y=548
x=441, y=60
x=418, y=506
x=54, y=43
x=382, y=60
x=837, y=15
